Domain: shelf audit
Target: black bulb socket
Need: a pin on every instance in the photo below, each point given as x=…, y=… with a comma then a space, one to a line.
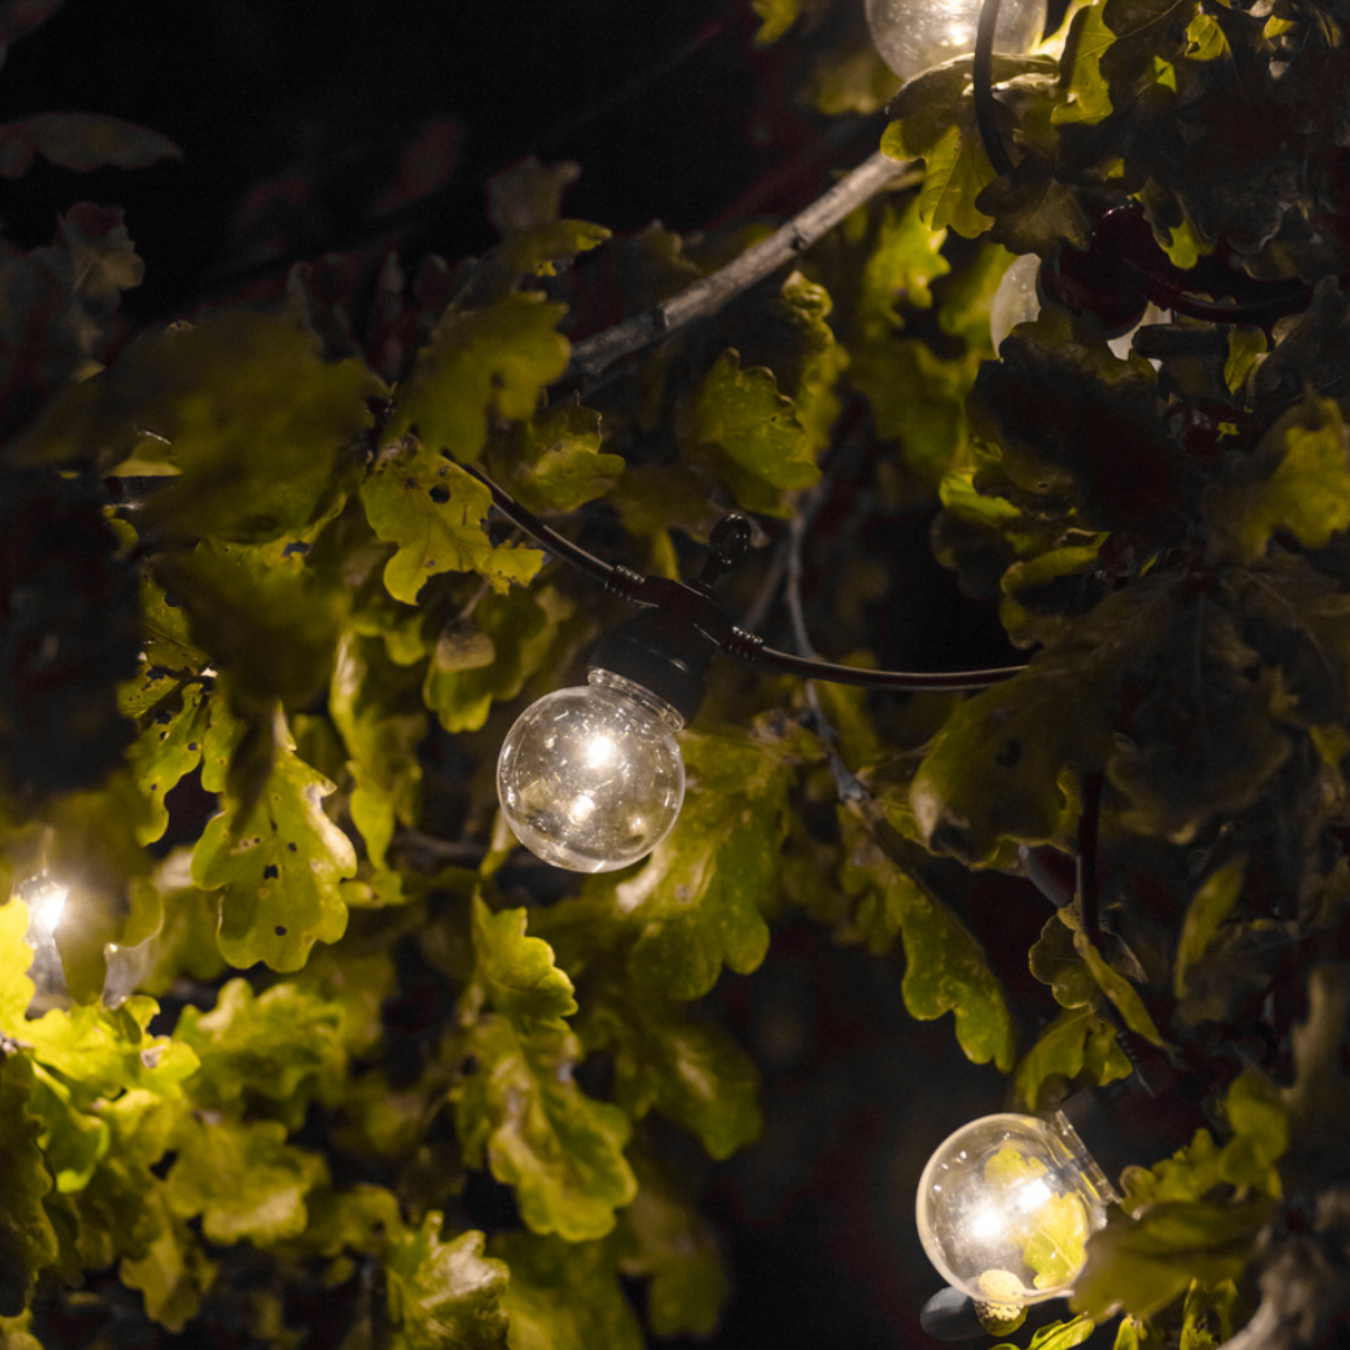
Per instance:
x=662, y=654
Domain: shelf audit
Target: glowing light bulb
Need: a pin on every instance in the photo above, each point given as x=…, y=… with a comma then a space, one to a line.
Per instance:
x=1017, y=301
x=1006, y=1206
x=591, y=778
x=914, y=35
x=46, y=899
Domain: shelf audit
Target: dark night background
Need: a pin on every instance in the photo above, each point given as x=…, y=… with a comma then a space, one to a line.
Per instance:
x=292, y=118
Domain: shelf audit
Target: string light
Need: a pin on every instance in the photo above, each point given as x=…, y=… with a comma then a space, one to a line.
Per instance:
x=912, y=36
x=45, y=898
x=1005, y=1208
x=591, y=778
x=578, y=808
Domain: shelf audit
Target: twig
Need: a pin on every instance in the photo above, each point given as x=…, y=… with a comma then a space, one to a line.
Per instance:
x=1089, y=873
x=846, y=782
x=591, y=358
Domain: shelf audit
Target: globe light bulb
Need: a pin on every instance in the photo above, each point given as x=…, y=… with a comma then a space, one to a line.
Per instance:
x=914, y=35
x=1017, y=300
x=591, y=778
x=1006, y=1206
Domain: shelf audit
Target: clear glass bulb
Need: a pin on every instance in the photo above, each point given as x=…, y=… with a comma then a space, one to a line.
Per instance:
x=1006, y=1206
x=1017, y=301
x=591, y=778
x=915, y=35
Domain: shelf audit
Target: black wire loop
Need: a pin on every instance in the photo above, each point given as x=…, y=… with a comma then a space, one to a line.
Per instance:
x=693, y=604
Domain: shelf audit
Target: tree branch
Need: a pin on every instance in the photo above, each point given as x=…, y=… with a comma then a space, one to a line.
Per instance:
x=592, y=357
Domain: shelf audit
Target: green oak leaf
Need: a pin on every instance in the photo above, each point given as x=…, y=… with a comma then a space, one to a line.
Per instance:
x=554, y=462
x=1246, y=347
x=666, y=1059
x=1034, y=211
x=376, y=707
x=1209, y=908
x=16, y=989
x=696, y=903
x=904, y=261
x=775, y=18
x=1144, y=1264
x=810, y=360
x=1119, y=990
x=166, y=643
x=1077, y=1044
x=1072, y=420
x=918, y=400
x=516, y=973
x=945, y=968
x=956, y=172
x=496, y=359
x=664, y=1239
x=277, y=869
x=488, y=658
x=434, y=511
x=565, y=1296
x=1057, y=1336
x=264, y=617
x=1008, y=762
x=995, y=770
x=168, y=747
x=1259, y=1119
x=102, y=1051
x=445, y=1294
x=28, y=1242
x=1042, y=595
x=1210, y=1315
x=1089, y=95
x=246, y=411
x=285, y=1045
x=73, y=1140
x=1055, y=961
x=741, y=427
x=175, y=1273
x=1205, y=738
x=241, y=1178
x=16, y=1333
x=560, y=1149
x=118, y=1208
x=545, y=247
x=1298, y=480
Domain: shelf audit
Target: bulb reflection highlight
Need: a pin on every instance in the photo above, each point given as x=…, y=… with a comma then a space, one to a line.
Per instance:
x=46, y=901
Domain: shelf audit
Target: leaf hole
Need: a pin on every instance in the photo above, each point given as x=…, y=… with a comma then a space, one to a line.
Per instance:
x=280, y=930
x=440, y=494
x=270, y=872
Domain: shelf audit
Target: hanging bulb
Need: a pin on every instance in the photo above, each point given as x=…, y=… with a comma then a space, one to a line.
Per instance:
x=1018, y=300
x=591, y=778
x=914, y=35
x=1006, y=1206
x=1015, y=301
x=45, y=898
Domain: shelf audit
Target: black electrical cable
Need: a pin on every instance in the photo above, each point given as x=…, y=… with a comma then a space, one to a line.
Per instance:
x=693, y=605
